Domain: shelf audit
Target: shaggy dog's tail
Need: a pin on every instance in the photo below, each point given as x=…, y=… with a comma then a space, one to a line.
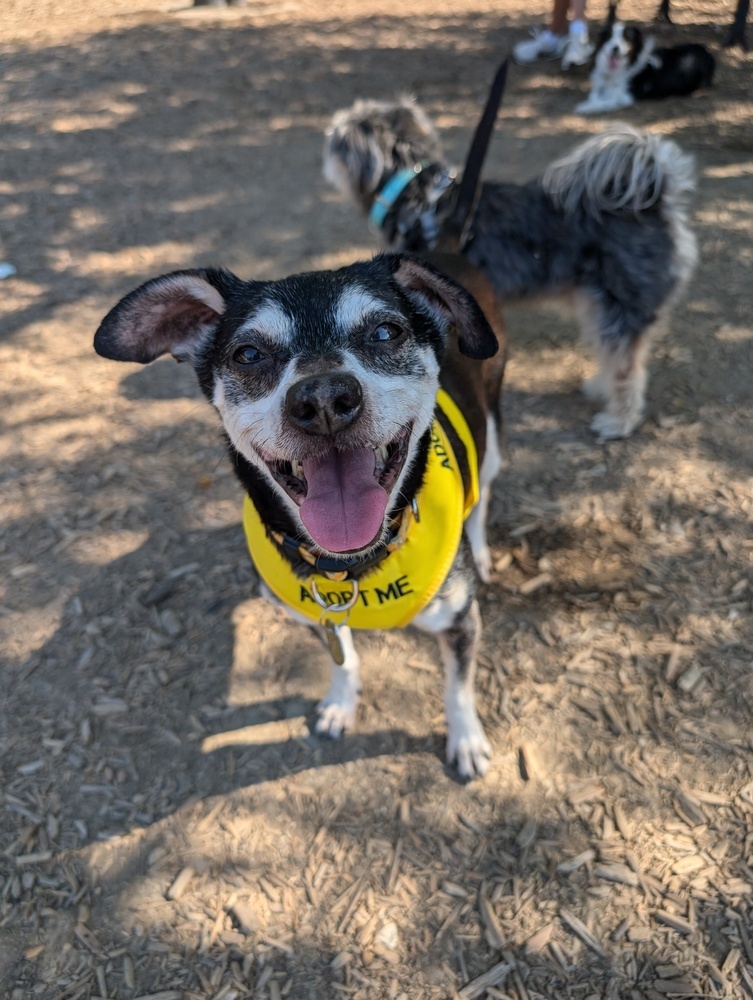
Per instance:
x=623, y=170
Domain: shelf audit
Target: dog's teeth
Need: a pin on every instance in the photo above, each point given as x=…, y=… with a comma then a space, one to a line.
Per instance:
x=382, y=454
x=296, y=468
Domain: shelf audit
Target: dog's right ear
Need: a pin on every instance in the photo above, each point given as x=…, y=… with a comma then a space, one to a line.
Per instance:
x=176, y=312
x=446, y=301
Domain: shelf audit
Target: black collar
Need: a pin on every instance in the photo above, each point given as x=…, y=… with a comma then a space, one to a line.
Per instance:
x=342, y=568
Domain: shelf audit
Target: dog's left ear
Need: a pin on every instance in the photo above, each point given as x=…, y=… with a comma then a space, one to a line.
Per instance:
x=177, y=312
x=447, y=302
x=634, y=37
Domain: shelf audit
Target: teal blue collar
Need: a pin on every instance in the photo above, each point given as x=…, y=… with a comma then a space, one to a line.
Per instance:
x=390, y=193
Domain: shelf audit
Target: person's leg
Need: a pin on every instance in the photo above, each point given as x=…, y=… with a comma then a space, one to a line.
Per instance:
x=579, y=24
x=558, y=23
x=578, y=49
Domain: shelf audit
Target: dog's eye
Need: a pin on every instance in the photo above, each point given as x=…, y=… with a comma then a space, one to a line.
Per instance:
x=386, y=332
x=248, y=355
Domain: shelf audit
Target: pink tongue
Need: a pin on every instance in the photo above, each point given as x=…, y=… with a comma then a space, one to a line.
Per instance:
x=345, y=505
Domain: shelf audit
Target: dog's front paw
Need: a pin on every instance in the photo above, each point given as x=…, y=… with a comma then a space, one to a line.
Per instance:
x=335, y=719
x=467, y=745
x=337, y=710
x=610, y=426
x=483, y=560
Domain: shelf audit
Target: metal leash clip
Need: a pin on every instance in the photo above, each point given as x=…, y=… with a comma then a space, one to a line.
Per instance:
x=332, y=628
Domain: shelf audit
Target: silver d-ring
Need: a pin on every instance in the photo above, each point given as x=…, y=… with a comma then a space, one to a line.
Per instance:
x=342, y=606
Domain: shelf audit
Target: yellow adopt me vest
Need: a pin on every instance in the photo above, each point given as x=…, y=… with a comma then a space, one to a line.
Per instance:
x=404, y=582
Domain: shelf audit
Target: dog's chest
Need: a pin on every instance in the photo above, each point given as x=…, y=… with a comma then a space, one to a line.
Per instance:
x=406, y=580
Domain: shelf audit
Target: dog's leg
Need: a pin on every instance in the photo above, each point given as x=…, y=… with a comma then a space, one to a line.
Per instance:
x=622, y=376
x=598, y=387
x=736, y=34
x=475, y=525
x=455, y=618
x=620, y=380
x=466, y=742
x=337, y=710
x=599, y=105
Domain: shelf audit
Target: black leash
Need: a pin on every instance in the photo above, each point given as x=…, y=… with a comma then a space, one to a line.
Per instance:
x=456, y=229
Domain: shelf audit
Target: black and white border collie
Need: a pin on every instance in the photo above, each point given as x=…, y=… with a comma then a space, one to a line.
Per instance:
x=629, y=68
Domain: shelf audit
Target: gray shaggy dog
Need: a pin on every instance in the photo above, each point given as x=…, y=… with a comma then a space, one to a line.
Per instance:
x=607, y=225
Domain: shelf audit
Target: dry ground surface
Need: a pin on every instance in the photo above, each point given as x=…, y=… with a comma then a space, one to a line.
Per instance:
x=169, y=826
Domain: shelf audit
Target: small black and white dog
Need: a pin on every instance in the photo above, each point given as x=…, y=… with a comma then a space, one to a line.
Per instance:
x=629, y=68
x=361, y=408
x=607, y=225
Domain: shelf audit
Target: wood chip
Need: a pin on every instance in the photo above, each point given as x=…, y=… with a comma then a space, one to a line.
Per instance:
x=709, y=798
x=497, y=974
x=37, y=858
x=494, y=933
x=674, y=921
x=674, y=987
x=244, y=915
x=534, y=584
x=129, y=972
x=448, y=922
x=394, y=868
x=672, y=666
x=162, y=995
x=622, y=822
x=454, y=890
x=527, y=833
x=580, y=930
x=503, y=562
x=617, y=873
x=614, y=717
x=688, y=809
x=691, y=863
x=585, y=791
x=282, y=946
x=180, y=883
x=730, y=962
x=640, y=932
x=691, y=678
x=565, y=867
x=528, y=762
x=538, y=941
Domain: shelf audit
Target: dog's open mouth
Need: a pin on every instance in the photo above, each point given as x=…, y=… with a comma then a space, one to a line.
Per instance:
x=343, y=495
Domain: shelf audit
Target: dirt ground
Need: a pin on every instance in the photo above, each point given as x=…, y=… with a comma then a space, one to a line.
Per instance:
x=169, y=826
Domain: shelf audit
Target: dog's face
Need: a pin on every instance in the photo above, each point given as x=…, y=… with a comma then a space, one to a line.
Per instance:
x=325, y=382
x=618, y=47
x=368, y=143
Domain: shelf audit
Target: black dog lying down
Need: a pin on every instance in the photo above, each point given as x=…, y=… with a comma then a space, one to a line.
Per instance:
x=629, y=68
x=361, y=419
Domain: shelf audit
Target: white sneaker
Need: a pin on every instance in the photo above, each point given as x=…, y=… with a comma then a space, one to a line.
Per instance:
x=577, y=51
x=543, y=45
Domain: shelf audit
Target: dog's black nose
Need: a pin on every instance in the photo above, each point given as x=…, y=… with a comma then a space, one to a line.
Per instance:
x=324, y=404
